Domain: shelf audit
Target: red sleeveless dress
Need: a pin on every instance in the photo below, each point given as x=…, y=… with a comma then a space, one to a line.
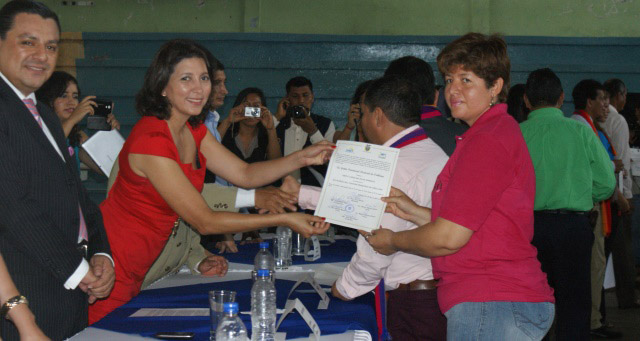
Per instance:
x=137, y=219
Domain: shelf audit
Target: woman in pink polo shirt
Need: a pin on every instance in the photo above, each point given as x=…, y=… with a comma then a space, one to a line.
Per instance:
x=479, y=231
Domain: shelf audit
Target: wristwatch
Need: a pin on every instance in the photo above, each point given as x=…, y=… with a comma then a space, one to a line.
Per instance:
x=12, y=302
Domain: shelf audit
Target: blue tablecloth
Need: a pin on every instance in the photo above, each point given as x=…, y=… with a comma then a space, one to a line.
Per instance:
x=340, y=251
x=340, y=317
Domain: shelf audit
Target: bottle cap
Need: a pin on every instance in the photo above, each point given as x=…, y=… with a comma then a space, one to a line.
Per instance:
x=264, y=245
x=263, y=273
x=231, y=307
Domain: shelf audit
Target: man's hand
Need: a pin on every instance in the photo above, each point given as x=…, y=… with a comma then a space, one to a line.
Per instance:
x=336, y=293
x=306, y=124
x=275, y=200
x=281, y=112
x=88, y=279
x=227, y=246
x=619, y=166
x=380, y=240
x=106, y=277
x=213, y=266
x=291, y=185
x=624, y=205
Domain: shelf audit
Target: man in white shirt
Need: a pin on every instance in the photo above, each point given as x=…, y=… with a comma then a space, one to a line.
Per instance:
x=413, y=312
x=619, y=241
x=296, y=133
x=51, y=234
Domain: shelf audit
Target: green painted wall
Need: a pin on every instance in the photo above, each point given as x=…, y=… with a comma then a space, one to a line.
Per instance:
x=560, y=18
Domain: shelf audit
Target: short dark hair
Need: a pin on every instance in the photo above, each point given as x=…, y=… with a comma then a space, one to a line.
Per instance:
x=484, y=55
x=543, y=88
x=515, y=103
x=246, y=92
x=55, y=87
x=398, y=99
x=584, y=90
x=149, y=100
x=297, y=82
x=360, y=90
x=9, y=11
x=614, y=86
x=416, y=71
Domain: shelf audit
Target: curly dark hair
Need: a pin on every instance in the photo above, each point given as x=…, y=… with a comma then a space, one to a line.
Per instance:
x=55, y=87
x=149, y=100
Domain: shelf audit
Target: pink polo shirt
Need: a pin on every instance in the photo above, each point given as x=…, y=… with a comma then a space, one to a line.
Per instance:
x=488, y=186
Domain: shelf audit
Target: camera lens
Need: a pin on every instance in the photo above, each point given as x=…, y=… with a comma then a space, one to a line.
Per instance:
x=297, y=111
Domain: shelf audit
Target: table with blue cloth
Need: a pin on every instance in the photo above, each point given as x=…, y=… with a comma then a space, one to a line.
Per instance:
x=184, y=290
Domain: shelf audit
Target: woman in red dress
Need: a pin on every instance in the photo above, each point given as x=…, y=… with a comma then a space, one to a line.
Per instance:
x=162, y=166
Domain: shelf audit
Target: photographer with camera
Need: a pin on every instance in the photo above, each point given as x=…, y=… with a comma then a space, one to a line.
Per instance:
x=353, y=116
x=297, y=127
x=61, y=92
x=253, y=138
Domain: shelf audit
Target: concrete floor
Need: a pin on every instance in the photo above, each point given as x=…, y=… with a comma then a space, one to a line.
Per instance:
x=625, y=321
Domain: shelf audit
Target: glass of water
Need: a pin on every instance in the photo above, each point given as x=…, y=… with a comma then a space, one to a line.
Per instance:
x=217, y=299
x=282, y=248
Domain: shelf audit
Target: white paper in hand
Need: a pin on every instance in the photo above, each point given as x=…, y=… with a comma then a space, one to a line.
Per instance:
x=104, y=147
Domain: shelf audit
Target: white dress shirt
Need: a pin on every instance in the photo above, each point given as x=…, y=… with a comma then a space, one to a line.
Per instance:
x=617, y=129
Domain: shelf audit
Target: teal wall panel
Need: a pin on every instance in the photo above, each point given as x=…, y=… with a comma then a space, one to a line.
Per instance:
x=115, y=63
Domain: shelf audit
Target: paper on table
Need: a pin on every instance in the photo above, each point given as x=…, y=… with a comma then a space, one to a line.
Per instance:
x=359, y=175
x=104, y=147
x=154, y=312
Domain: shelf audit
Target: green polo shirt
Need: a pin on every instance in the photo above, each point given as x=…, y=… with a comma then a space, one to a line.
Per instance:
x=573, y=170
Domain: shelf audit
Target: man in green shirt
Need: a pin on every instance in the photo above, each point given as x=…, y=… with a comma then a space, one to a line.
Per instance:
x=573, y=171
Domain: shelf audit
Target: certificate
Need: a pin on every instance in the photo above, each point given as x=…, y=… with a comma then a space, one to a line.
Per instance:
x=359, y=175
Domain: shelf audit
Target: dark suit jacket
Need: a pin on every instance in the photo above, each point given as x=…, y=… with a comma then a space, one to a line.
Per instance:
x=39, y=220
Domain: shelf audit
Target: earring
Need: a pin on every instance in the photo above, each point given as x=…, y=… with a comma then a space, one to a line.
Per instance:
x=493, y=101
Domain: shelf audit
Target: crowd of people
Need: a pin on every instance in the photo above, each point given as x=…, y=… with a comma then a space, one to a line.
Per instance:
x=499, y=222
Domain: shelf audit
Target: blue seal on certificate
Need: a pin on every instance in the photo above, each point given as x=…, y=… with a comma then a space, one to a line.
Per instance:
x=348, y=208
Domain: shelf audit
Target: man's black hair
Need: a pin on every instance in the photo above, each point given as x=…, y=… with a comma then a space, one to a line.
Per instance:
x=297, y=82
x=9, y=11
x=584, y=90
x=416, y=71
x=543, y=88
x=614, y=86
x=397, y=97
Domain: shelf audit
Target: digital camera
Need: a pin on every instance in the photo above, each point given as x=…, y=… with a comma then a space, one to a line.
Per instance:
x=98, y=121
x=297, y=111
x=252, y=112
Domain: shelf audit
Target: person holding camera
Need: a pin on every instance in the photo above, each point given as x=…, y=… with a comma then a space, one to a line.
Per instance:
x=61, y=93
x=253, y=138
x=353, y=116
x=297, y=127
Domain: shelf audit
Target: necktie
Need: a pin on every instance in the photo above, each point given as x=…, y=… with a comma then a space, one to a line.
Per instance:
x=34, y=111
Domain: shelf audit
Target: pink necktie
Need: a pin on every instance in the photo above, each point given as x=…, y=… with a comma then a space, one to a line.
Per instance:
x=34, y=111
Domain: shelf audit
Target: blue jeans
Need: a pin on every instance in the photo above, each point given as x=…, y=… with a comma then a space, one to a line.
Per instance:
x=499, y=320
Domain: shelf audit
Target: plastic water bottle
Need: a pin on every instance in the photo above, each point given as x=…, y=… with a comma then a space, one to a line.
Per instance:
x=263, y=308
x=264, y=258
x=231, y=327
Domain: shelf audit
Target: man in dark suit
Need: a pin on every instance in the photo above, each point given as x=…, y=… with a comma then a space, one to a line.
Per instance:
x=51, y=234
